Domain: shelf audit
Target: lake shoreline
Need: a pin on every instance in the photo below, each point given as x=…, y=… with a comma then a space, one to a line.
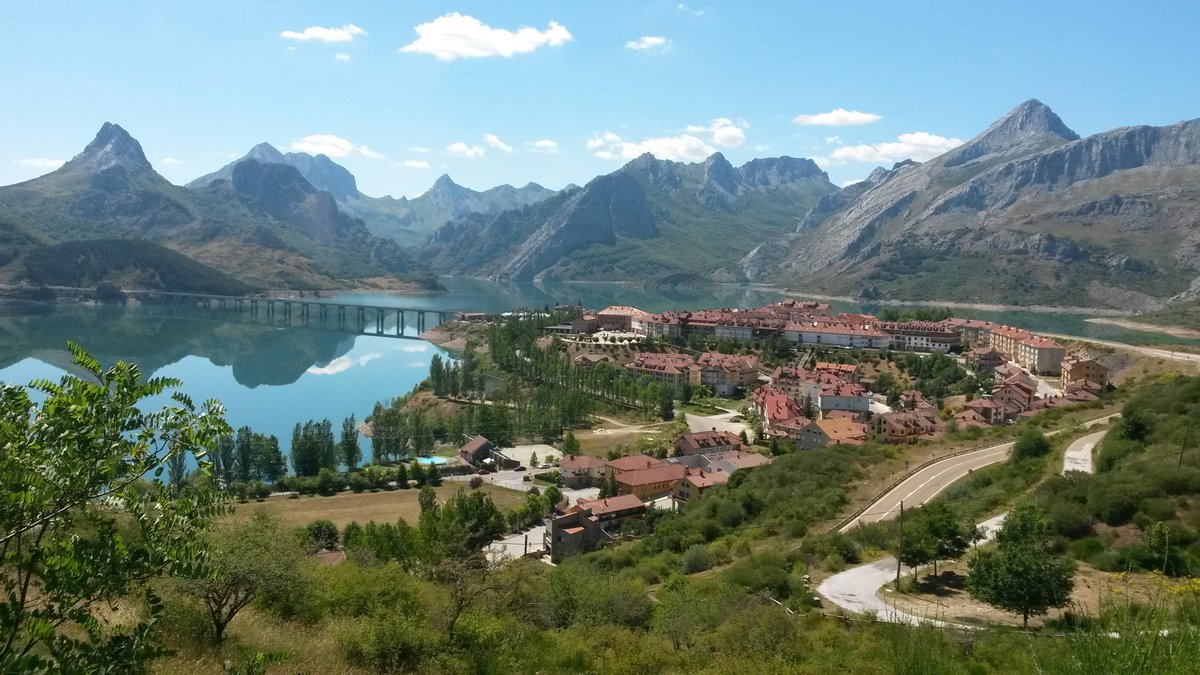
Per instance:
x=1173, y=331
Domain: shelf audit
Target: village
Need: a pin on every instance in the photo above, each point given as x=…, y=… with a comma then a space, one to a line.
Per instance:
x=791, y=376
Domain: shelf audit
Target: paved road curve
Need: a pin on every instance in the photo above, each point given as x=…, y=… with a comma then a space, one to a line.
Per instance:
x=857, y=589
x=930, y=481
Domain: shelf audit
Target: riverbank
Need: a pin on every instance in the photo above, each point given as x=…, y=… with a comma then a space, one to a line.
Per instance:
x=1173, y=331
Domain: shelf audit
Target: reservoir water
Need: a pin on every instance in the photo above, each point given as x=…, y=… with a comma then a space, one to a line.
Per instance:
x=271, y=377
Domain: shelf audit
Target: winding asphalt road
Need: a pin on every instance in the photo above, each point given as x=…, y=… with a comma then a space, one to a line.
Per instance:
x=930, y=481
x=857, y=589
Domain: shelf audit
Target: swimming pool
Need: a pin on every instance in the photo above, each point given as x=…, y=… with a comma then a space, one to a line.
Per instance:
x=431, y=460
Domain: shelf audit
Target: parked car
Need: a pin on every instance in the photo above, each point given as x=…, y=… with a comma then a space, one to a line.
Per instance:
x=519, y=468
x=482, y=472
x=544, y=466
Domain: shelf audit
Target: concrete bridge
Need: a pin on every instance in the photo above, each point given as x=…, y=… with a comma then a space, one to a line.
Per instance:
x=309, y=312
x=298, y=312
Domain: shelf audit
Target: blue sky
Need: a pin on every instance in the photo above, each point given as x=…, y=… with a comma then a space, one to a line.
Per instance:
x=489, y=92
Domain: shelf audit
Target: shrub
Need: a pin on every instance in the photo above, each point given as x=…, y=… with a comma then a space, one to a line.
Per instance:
x=1071, y=520
x=360, y=482
x=475, y=483
x=322, y=534
x=1032, y=443
x=329, y=481
x=260, y=490
x=762, y=572
x=696, y=559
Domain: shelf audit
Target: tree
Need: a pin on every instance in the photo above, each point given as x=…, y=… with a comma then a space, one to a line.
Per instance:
x=75, y=533
x=177, y=473
x=402, y=476
x=322, y=534
x=1032, y=443
x=1134, y=426
x=570, y=444
x=553, y=496
x=224, y=462
x=666, y=405
x=934, y=533
x=1021, y=575
x=248, y=560
x=348, y=447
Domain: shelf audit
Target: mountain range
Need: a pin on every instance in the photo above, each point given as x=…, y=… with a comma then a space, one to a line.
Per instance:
x=1025, y=212
x=264, y=225
x=405, y=221
x=649, y=220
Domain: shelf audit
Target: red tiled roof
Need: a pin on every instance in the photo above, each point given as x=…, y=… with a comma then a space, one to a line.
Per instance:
x=608, y=505
x=633, y=462
x=841, y=429
x=474, y=445
x=703, y=479
x=659, y=474
x=701, y=440
x=580, y=462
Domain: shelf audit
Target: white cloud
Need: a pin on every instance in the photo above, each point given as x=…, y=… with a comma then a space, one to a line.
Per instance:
x=685, y=8
x=832, y=140
x=684, y=147
x=852, y=181
x=321, y=34
x=413, y=164
x=457, y=36
x=544, y=146
x=494, y=141
x=40, y=163
x=649, y=43
x=695, y=143
x=343, y=58
x=918, y=145
x=460, y=149
x=722, y=131
x=343, y=363
x=171, y=161
x=839, y=117
x=333, y=146
x=419, y=150
x=414, y=348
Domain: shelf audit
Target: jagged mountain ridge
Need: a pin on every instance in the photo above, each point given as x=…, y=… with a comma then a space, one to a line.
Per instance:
x=1025, y=212
x=406, y=221
x=296, y=238
x=626, y=224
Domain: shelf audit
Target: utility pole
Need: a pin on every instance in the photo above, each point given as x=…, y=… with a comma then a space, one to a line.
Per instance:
x=900, y=547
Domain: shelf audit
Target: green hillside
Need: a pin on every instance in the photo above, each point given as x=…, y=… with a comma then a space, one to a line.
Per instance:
x=129, y=263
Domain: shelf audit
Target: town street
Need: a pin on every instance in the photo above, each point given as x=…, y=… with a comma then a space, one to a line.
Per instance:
x=858, y=589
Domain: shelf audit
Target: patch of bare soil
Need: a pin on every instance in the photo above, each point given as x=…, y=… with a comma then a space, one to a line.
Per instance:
x=943, y=597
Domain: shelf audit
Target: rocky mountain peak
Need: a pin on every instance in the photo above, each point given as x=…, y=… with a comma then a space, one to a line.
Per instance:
x=265, y=152
x=112, y=146
x=772, y=172
x=444, y=182
x=1027, y=128
x=324, y=173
